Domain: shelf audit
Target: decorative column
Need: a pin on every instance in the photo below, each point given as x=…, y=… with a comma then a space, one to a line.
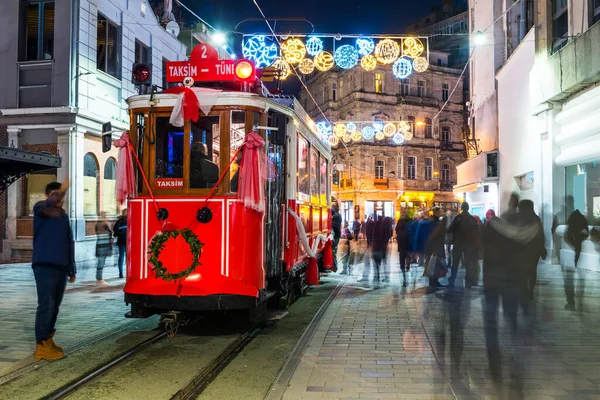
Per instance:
x=14, y=192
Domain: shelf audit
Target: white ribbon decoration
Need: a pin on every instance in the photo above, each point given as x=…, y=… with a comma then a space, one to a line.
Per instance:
x=304, y=238
x=177, y=113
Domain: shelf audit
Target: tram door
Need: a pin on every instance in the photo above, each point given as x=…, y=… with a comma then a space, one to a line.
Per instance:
x=275, y=194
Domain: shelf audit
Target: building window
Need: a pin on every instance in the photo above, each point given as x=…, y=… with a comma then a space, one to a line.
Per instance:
x=428, y=128
x=446, y=172
x=428, y=169
x=38, y=23
x=405, y=86
x=334, y=91
x=411, y=172
x=378, y=83
x=142, y=53
x=347, y=211
x=108, y=47
x=560, y=23
x=582, y=190
x=445, y=91
x=400, y=171
x=90, y=184
x=36, y=187
x=379, y=169
x=596, y=11
x=445, y=134
x=421, y=88
x=109, y=194
x=411, y=122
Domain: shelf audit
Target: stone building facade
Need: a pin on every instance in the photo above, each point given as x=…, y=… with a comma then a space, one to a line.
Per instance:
x=380, y=177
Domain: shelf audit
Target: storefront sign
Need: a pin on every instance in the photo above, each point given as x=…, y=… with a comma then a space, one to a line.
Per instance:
x=169, y=183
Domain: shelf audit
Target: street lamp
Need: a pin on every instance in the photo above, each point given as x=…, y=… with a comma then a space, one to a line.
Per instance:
x=219, y=38
x=479, y=38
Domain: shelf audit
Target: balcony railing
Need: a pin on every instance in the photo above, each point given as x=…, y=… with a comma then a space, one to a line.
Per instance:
x=35, y=84
x=447, y=186
x=381, y=183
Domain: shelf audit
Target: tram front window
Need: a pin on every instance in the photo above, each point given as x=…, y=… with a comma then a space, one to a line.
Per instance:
x=169, y=149
x=237, y=135
x=205, y=152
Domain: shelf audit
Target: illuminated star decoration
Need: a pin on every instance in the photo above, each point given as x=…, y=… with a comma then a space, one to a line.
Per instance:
x=402, y=68
x=293, y=50
x=365, y=46
x=369, y=63
x=412, y=47
x=283, y=68
x=420, y=64
x=324, y=129
x=340, y=130
x=378, y=126
x=368, y=132
x=351, y=127
x=314, y=46
x=307, y=66
x=257, y=50
x=398, y=138
x=389, y=129
x=387, y=51
x=324, y=61
x=346, y=57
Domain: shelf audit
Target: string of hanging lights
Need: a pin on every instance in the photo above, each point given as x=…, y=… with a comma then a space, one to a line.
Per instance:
x=365, y=131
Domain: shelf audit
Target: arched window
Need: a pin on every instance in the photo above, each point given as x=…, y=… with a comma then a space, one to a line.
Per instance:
x=446, y=172
x=109, y=195
x=90, y=184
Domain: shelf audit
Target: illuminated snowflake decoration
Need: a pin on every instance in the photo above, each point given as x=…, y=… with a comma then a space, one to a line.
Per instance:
x=334, y=141
x=351, y=127
x=365, y=46
x=369, y=63
x=293, y=50
x=283, y=68
x=368, y=132
x=378, y=126
x=403, y=126
x=258, y=50
x=307, y=66
x=412, y=47
x=340, y=130
x=420, y=64
x=379, y=136
x=356, y=136
x=346, y=57
x=402, y=68
x=324, y=129
x=389, y=129
x=398, y=138
x=324, y=61
x=387, y=51
x=314, y=46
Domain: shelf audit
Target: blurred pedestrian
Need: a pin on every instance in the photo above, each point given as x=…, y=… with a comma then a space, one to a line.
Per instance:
x=370, y=231
x=347, y=236
x=379, y=248
x=355, y=229
x=104, y=243
x=577, y=229
x=447, y=222
x=412, y=228
x=363, y=230
x=533, y=250
x=434, y=248
x=120, y=232
x=403, y=242
x=387, y=226
x=464, y=229
x=336, y=226
x=53, y=263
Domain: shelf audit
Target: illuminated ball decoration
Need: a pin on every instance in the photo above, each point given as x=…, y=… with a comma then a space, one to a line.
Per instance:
x=324, y=129
x=403, y=126
x=389, y=129
x=340, y=130
x=398, y=138
x=347, y=138
x=293, y=50
x=324, y=61
x=346, y=57
x=379, y=136
x=356, y=136
x=351, y=127
x=307, y=66
x=369, y=63
x=387, y=51
x=334, y=141
x=420, y=64
x=412, y=47
x=378, y=126
x=260, y=51
x=368, y=132
x=365, y=46
x=283, y=67
x=402, y=68
x=408, y=135
x=314, y=46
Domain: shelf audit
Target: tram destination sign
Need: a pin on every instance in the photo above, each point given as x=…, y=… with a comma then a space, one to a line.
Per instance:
x=201, y=71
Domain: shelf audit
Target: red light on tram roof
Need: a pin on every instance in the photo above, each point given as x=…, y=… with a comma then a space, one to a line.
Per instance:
x=140, y=74
x=244, y=70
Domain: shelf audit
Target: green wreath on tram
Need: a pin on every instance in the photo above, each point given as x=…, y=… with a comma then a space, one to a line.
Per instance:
x=157, y=245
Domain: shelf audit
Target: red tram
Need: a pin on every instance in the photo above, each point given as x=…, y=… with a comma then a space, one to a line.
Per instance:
x=248, y=257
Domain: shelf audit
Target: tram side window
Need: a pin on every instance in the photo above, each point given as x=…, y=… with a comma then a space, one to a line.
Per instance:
x=303, y=177
x=169, y=149
x=237, y=136
x=204, y=152
x=324, y=179
x=314, y=176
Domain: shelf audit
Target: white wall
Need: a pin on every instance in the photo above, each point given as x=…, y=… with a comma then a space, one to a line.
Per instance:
x=520, y=144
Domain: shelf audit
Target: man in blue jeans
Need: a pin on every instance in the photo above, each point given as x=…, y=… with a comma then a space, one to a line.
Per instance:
x=53, y=263
x=120, y=232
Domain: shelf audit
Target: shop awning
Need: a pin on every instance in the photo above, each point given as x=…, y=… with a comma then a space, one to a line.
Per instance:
x=470, y=187
x=14, y=163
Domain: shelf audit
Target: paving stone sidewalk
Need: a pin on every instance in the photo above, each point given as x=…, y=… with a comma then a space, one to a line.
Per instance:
x=402, y=342
x=87, y=311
